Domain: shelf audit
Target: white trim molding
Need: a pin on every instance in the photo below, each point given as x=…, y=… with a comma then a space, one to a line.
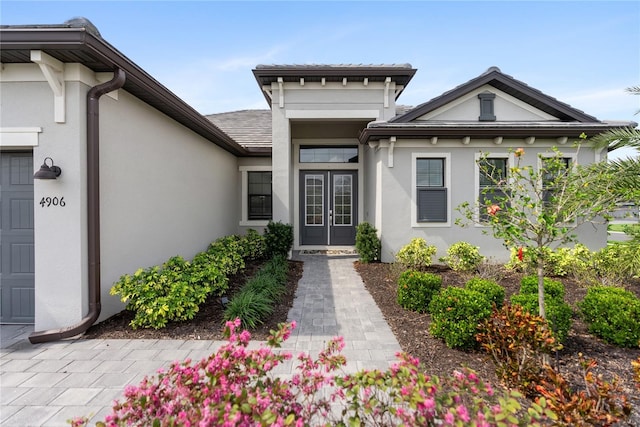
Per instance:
x=53, y=71
x=414, y=189
x=244, y=221
x=19, y=137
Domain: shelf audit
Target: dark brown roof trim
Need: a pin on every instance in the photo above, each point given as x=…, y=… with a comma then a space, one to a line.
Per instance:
x=267, y=74
x=79, y=45
x=507, y=84
x=419, y=132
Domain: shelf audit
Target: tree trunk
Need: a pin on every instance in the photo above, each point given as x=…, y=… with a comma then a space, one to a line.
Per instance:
x=540, y=270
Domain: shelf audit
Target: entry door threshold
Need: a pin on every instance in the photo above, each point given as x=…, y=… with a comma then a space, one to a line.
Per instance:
x=327, y=252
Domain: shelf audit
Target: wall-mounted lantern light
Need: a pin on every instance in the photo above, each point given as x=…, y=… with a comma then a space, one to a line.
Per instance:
x=47, y=172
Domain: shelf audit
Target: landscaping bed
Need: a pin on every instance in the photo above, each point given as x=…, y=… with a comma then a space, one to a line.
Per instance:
x=208, y=322
x=410, y=328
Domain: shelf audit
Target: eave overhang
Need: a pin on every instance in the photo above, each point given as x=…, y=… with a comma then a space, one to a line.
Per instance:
x=460, y=130
x=77, y=45
x=265, y=75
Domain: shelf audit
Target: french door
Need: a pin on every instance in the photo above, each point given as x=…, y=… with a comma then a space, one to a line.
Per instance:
x=328, y=207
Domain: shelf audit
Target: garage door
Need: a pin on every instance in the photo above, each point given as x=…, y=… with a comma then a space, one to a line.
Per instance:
x=16, y=238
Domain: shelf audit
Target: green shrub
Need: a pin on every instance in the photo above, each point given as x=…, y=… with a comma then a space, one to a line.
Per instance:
x=278, y=238
x=416, y=255
x=415, y=290
x=158, y=295
x=561, y=262
x=557, y=311
x=552, y=288
x=226, y=254
x=250, y=307
x=463, y=256
x=175, y=290
x=367, y=243
x=489, y=288
x=517, y=341
x=456, y=314
x=253, y=245
x=613, y=314
x=619, y=261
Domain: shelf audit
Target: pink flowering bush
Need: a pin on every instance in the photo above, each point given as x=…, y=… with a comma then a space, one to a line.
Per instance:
x=404, y=395
x=235, y=387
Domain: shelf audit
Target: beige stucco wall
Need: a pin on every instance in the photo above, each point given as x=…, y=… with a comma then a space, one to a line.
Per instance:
x=506, y=108
x=60, y=248
x=326, y=104
x=164, y=190
x=397, y=192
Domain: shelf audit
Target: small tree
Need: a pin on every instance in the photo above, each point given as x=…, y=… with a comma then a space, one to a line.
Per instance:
x=536, y=208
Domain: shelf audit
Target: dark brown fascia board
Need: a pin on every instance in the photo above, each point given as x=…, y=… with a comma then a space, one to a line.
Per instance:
x=528, y=92
x=81, y=40
x=267, y=75
x=377, y=133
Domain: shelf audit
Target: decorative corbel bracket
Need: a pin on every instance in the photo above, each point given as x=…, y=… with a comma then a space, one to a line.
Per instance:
x=53, y=71
x=392, y=145
x=387, y=82
x=562, y=140
x=530, y=140
x=281, y=92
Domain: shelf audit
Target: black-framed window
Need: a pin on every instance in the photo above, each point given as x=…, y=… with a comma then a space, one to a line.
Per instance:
x=330, y=154
x=431, y=191
x=259, y=196
x=493, y=175
x=553, y=168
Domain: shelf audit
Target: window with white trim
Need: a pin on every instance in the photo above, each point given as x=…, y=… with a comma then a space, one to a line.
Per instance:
x=492, y=175
x=553, y=168
x=431, y=190
x=259, y=202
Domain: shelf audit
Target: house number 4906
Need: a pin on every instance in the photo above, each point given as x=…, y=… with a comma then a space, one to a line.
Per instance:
x=47, y=202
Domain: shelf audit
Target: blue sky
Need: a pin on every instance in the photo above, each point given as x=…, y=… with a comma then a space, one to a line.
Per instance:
x=582, y=52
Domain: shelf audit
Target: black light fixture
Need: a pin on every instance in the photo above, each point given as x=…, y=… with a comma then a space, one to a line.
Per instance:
x=47, y=172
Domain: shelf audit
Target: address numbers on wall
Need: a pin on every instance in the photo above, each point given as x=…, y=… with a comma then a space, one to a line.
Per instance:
x=48, y=202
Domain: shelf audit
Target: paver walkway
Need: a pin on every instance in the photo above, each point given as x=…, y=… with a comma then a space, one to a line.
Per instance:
x=47, y=384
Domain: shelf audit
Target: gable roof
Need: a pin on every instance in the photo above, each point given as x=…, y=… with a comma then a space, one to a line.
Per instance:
x=572, y=122
x=78, y=41
x=267, y=74
x=520, y=90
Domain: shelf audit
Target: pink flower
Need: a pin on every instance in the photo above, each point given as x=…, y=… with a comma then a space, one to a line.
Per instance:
x=493, y=210
x=462, y=412
x=519, y=152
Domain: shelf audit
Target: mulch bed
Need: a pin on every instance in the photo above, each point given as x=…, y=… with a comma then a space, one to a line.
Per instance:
x=208, y=324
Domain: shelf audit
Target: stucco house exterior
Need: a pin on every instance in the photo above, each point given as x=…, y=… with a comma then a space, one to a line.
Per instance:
x=144, y=176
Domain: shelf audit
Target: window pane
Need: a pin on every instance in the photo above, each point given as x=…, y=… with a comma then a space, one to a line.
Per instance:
x=430, y=173
x=259, y=196
x=329, y=154
x=493, y=170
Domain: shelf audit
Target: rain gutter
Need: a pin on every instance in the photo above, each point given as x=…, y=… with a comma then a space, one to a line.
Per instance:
x=93, y=213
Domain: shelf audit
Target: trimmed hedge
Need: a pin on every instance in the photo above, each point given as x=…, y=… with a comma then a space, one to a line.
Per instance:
x=456, y=314
x=489, y=288
x=415, y=290
x=613, y=314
